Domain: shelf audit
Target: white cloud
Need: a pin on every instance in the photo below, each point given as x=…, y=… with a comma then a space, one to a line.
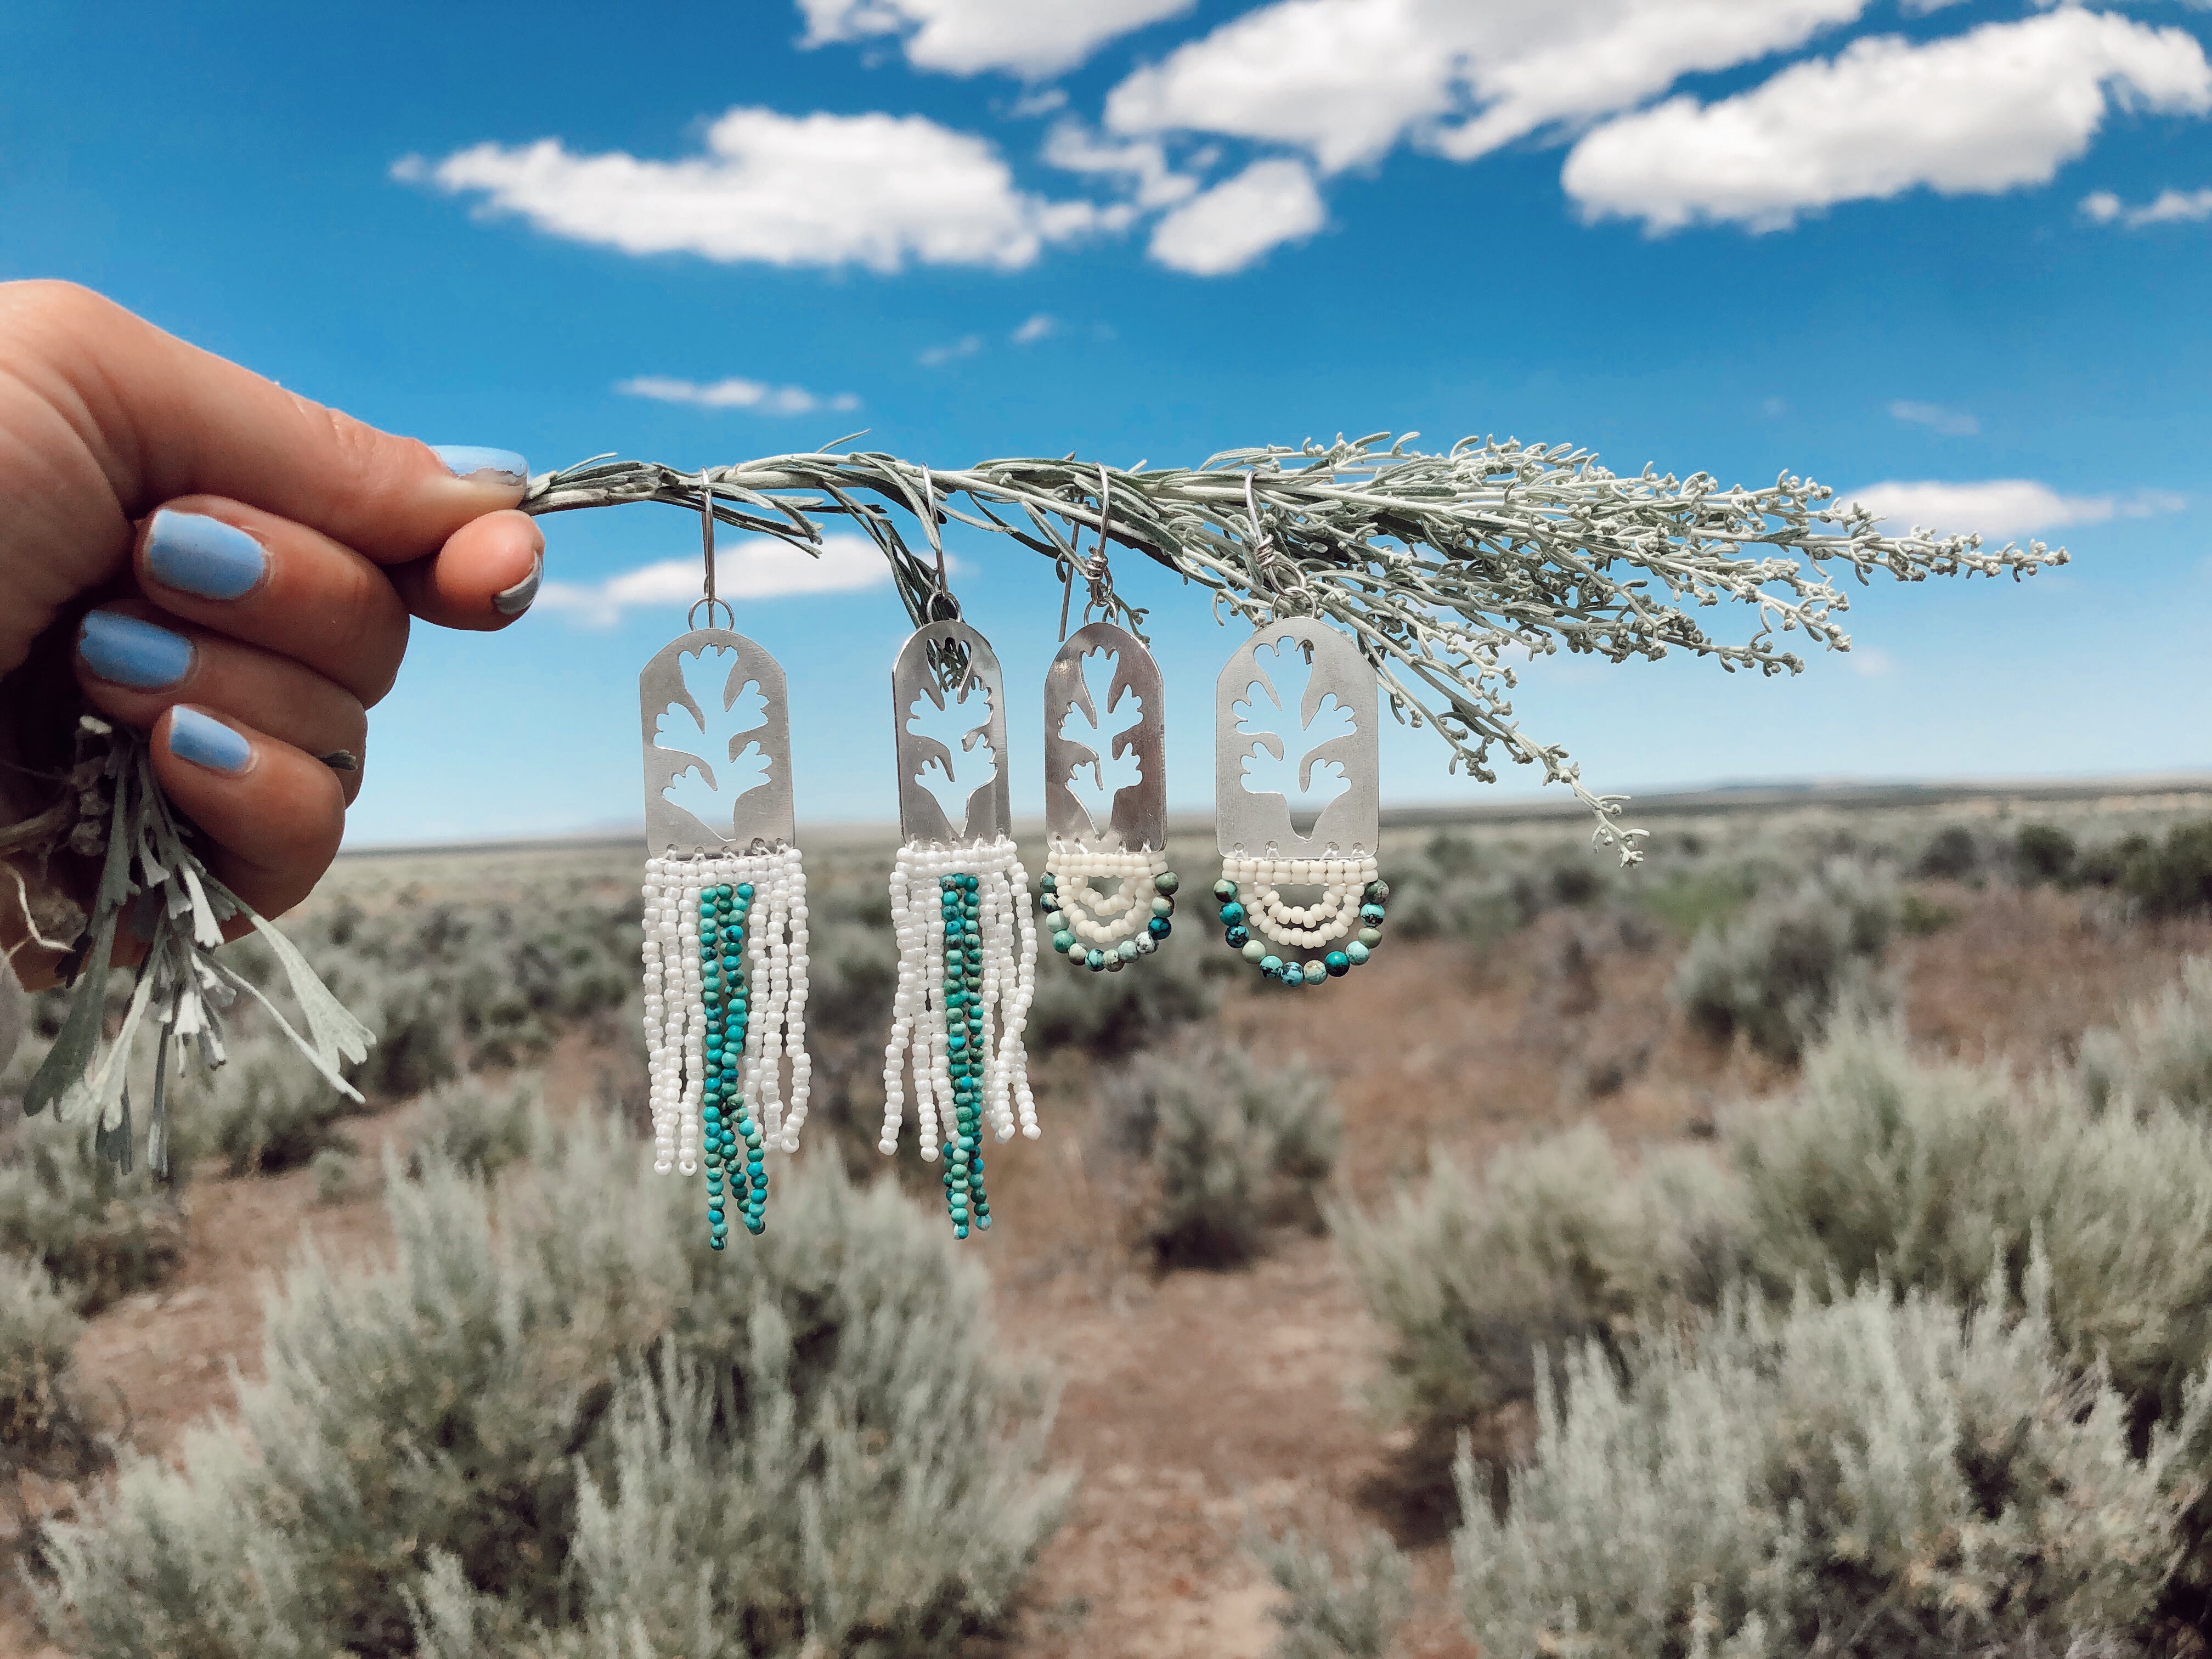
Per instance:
x=1236, y=221
x=735, y=393
x=2170, y=207
x=1033, y=38
x=938, y=355
x=812, y=189
x=763, y=568
x=1039, y=327
x=1140, y=164
x=2001, y=507
x=1999, y=106
x=1951, y=423
x=1348, y=79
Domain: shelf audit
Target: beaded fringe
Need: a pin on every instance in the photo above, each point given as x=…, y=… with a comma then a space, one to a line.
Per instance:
x=1345, y=923
x=725, y=1004
x=967, y=976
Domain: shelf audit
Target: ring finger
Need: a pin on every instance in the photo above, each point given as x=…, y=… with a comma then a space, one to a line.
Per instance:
x=135, y=661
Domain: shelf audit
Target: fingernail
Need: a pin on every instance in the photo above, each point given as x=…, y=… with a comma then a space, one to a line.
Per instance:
x=206, y=741
x=473, y=461
x=131, y=652
x=514, y=601
x=195, y=554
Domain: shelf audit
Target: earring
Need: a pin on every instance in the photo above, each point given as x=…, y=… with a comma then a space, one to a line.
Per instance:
x=960, y=904
x=724, y=911
x=1105, y=930
x=1297, y=679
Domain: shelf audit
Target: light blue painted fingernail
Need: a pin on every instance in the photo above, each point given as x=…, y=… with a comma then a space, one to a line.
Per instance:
x=132, y=653
x=473, y=460
x=199, y=555
x=206, y=741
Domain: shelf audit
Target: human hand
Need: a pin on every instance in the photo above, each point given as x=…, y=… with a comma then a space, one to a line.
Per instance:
x=192, y=551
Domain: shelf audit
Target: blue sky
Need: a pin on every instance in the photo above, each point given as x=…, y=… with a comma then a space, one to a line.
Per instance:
x=1961, y=247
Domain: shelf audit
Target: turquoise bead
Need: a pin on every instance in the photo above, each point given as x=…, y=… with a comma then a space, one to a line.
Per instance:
x=1127, y=950
x=1224, y=890
x=1316, y=972
x=1371, y=937
x=1371, y=914
x=1061, y=940
x=1162, y=906
x=1167, y=881
x=1094, y=960
x=1356, y=953
x=1159, y=927
x=1271, y=964
x=1233, y=914
x=1253, y=951
x=1337, y=963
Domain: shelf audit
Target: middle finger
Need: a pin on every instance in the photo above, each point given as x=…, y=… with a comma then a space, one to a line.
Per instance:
x=278, y=585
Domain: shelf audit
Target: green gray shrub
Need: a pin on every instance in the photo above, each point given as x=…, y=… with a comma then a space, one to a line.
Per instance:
x=1777, y=972
x=1874, y=1475
x=334, y=1169
x=2161, y=1051
x=1230, y=1150
x=266, y=1109
x=1555, y=1245
x=38, y=1335
x=101, y=1233
x=1350, y=1610
x=580, y=1431
x=2172, y=878
x=477, y=1128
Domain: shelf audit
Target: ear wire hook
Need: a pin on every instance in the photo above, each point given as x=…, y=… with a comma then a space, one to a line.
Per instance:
x=707, y=556
x=1095, y=569
x=937, y=543
x=1268, y=562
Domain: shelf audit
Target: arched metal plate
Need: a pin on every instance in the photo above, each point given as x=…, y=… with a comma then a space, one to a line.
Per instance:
x=1139, y=815
x=706, y=734
x=1331, y=731
x=988, y=813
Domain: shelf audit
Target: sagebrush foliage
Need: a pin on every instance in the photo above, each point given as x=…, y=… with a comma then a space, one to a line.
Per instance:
x=477, y=1128
x=2161, y=1051
x=1876, y=1475
x=1332, y=1611
x=1777, y=971
x=38, y=1334
x=266, y=1109
x=1231, y=1149
x=101, y=1233
x=581, y=1431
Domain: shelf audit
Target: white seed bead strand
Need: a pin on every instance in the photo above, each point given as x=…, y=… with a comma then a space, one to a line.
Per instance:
x=1342, y=881
x=694, y=1043
x=906, y=1002
x=1013, y=1057
x=794, y=1029
x=1104, y=920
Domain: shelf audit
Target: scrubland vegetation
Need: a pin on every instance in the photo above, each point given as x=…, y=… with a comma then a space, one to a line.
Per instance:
x=1765, y=1327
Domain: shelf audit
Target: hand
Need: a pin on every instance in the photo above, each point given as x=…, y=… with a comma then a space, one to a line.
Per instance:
x=192, y=551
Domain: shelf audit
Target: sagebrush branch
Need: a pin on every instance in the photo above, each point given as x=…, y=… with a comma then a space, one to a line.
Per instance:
x=1440, y=566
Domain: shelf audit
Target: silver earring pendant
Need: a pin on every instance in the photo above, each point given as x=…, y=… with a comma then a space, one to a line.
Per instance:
x=960, y=903
x=725, y=934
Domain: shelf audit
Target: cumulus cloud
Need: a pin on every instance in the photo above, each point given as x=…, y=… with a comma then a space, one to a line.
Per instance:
x=1951, y=423
x=735, y=393
x=1999, y=106
x=938, y=355
x=1032, y=38
x=2001, y=507
x=763, y=568
x=1347, y=80
x=1140, y=165
x=1039, y=327
x=874, y=190
x=2169, y=207
x=1230, y=226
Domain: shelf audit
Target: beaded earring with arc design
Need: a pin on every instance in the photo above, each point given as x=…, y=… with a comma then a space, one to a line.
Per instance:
x=1296, y=708
x=725, y=912
x=1106, y=930
x=960, y=900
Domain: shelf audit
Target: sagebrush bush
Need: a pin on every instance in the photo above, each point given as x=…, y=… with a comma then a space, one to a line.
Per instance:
x=1777, y=972
x=38, y=1334
x=333, y=1168
x=1349, y=1610
x=265, y=1108
x=1111, y=1014
x=1231, y=1149
x=478, y=1128
x=579, y=1431
x=101, y=1233
x=2044, y=853
x=1877, y=1475
x=1553, y=1246
x=2159, y=1051
x=2172, y=878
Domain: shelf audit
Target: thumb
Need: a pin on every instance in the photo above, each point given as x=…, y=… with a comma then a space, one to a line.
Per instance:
x=160, y=418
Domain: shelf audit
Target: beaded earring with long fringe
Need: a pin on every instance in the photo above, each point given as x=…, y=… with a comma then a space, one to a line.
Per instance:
x=725, y=912
x=1296, y=708
x=1105, y=930
x=960, y=905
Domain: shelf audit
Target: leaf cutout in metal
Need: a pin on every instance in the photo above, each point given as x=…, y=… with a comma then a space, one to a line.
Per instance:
x=963, y=677
x=717, y=735
x=1331, y=719
x=1118, y=736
